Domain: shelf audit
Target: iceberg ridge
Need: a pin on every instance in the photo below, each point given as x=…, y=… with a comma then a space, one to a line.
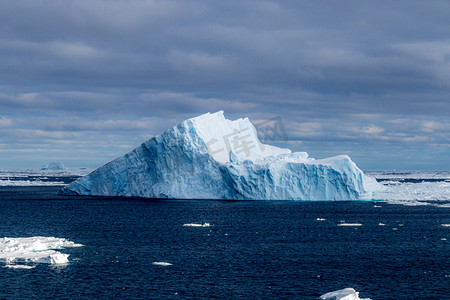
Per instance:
x=211, y=157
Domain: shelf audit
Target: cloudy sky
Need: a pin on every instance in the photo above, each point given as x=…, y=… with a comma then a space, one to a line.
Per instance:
x=85, y=81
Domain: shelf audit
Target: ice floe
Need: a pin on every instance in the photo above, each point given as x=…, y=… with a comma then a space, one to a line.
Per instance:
x=25, y=267
x=37, y=249
x=161, y=263
x=344, y=294
x=349, y=224
x=197, y=225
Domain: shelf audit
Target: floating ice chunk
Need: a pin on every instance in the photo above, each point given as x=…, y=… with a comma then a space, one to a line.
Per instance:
x=443, y=239
x=26, y=267
x=445, y=225
x=320, y=219
x=344, y=294
x=36, y=249
x=197, y=225
x=381, y=224
x=161, y=263
x=349, y=224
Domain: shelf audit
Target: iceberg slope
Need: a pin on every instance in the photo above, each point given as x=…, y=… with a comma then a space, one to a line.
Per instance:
x=210, y=157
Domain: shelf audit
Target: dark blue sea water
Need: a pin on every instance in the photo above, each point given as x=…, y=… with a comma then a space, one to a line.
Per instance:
x=256, y=250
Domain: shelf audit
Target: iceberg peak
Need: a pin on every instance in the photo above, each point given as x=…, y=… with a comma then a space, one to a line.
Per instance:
x=211, y=157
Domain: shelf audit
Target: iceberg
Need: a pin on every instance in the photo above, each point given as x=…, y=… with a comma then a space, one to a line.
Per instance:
x=211, y=157
x=54, y=166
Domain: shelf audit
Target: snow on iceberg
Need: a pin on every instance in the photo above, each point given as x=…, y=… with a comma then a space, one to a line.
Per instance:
x=37, y=249
x=210, y=157
x=344, y=294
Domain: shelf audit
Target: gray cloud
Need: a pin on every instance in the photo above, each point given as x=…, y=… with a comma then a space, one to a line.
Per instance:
x=341, y=74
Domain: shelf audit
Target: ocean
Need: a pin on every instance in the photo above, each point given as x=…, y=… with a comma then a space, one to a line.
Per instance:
x=193, y=249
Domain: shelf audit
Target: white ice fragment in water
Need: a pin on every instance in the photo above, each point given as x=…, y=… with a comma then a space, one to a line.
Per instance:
x=320, y=219
x=197, y=225
x=443, y=239
x=381, y=224
x=36, y=249
x=59, y=258
x=445, y=225
x=161, y=263
x=349, y=224
x=344, y=294
x=26, y=267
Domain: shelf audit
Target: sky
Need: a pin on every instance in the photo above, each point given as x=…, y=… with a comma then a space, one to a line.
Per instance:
x=83, y=82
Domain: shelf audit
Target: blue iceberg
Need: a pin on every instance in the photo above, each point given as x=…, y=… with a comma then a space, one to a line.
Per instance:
x=211, y=157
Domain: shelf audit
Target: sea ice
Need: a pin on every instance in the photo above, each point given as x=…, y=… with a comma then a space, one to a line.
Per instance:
x=414, y=192
x=161, y=263
x=35, y=249
x=349, y=224
x=344, y=294
x=32, y=177
x=25, y=267
x=413, y=187
x=9, y=182
x=197, y=225
x=210, y=157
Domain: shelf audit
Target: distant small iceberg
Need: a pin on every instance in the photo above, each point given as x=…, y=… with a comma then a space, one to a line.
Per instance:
x=197, y=225
x=54, y=166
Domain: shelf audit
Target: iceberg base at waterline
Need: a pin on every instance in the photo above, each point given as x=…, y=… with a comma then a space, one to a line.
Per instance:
x=211, y=157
